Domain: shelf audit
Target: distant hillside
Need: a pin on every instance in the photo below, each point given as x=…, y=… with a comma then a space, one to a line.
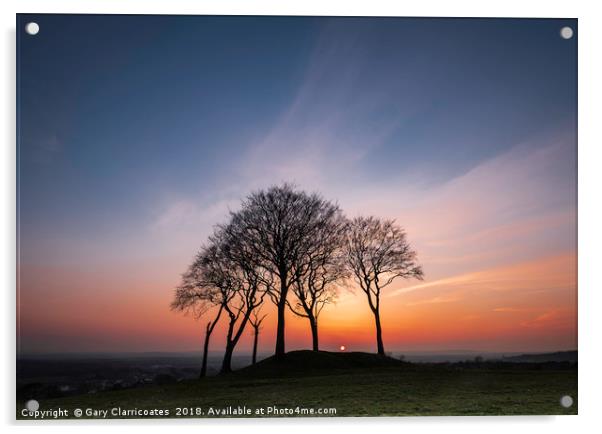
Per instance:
x=560, y=356
x=307, y=362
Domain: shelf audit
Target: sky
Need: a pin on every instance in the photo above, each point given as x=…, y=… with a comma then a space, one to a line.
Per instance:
x=138, y=134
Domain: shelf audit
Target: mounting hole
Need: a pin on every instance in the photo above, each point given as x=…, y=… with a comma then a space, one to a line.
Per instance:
x=32, y=28
x=566, y=33
x=566, y=401
x=32, y=405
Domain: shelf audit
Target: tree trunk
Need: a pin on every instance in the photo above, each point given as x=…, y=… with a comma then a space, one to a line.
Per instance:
x=280, y=332
x=313, y=322
x=279, y=353
x=379, y=334
x=255, y=340
x=208, y=331
x=233, y=338
x=227, y=363
x=205, y=350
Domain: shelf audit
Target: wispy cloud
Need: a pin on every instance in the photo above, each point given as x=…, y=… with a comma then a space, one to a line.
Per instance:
x=187, y=214
x=337, y=117
x=526, y=283
x=550, y=318
x=434, y=300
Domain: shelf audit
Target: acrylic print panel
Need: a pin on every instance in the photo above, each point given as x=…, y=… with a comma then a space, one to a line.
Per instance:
x=296, y=216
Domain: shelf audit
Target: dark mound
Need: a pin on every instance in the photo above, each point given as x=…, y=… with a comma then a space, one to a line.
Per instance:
x=307, y=362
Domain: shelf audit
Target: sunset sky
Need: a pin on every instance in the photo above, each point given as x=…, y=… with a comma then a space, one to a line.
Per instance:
x=138, y=134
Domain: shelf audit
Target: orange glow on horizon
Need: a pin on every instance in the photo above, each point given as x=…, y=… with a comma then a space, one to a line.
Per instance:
x=517, y=307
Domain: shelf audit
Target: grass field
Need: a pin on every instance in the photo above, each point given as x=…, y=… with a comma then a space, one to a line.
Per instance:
x=354, y=384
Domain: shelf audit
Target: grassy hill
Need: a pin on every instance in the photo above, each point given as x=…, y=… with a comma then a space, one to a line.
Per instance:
x=307, y=383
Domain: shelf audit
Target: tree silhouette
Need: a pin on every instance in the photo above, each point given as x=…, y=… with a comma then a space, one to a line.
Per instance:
x=377, y=253
x=285, y=240
x=240, y=283
x=276, y=226
x=322, y=268
x=256, y=320
x=197, y=296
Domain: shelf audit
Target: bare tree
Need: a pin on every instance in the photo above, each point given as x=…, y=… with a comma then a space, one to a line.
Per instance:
x=256, y=320
x=316, y=277
x=196, y=295
x=377, y=253
x=240, y=283
x=276, y=226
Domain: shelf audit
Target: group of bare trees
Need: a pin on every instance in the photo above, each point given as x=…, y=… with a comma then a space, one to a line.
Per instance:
x=296, y=250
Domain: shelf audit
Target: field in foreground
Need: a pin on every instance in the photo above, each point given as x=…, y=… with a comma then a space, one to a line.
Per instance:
x=334, y=384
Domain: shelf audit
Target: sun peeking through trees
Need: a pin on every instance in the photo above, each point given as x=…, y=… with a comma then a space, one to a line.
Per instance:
x=296, y=250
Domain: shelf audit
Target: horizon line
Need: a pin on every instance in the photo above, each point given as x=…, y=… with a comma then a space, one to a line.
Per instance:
x=199, y=352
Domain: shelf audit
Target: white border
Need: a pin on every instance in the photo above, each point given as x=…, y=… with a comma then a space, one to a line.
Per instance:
x=590, y=209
